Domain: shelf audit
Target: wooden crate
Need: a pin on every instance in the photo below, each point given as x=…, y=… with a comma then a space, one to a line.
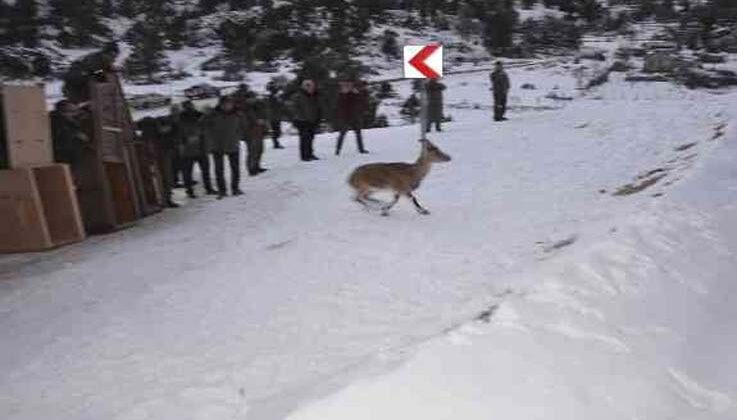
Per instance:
x=147, y=178
x=112, y=193
x=26, y=129
x=38, y=209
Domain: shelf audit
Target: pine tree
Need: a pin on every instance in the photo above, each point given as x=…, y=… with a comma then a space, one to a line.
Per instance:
x=499, y=25
x=77, y=21
x=467, y=24
x=528, y=4
x=126, y=8
x=176, y=32
x=107, y=8
x=389, y=45
x=22, y=23
x=590, y=10
x=410, y=109
x=148, y=56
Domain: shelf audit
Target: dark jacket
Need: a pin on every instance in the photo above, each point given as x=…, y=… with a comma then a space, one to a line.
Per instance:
x=350, y=108
x=499, y=82
x=256, y=119
x=435, y=100
x=224, y=130
x=274, y=107
x=168, y=133
x=306, y=107
x=69, y=140
x=96, y=66
x=192, y=142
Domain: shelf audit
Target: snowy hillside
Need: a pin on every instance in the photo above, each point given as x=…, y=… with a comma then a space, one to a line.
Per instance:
x=577, y=264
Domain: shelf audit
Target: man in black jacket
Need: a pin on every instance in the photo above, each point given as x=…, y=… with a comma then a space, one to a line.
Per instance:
x=350, y=108
x=500, y=86
x=275, y=110
x=192, y=149
x=306, y=116
x=69, y=139
x=160, y=132
x=224, y=128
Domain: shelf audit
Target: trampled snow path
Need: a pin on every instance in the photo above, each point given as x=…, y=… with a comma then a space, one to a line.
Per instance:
x=250, y=306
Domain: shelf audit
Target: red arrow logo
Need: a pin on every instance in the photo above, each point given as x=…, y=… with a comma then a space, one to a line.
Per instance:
x=418, y=61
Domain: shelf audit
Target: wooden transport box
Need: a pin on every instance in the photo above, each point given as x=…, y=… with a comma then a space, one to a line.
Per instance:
x=38, y=209
x=25, y=131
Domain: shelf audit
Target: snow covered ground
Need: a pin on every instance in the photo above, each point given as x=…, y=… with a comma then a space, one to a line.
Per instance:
x=579, y=263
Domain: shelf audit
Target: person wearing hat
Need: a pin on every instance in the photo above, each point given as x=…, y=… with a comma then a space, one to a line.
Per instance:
x=350, y=107
x=224, y=128
x=500, y=86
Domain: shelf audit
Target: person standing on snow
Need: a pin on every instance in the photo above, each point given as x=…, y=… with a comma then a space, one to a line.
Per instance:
x=224, y=128
x=255, y=114
x=192, y=149
x=351, y=105
x=306, y=117
x=500, y=86
x=434, y=104
x=275, y=110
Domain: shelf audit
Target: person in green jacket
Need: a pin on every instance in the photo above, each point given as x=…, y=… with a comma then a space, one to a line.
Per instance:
x=224, y=128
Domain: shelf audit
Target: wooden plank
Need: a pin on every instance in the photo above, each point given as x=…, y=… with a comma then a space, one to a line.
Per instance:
x=60, y=205
x=123, y=204
x=22, y=222
x=105, y=116
x=113, y=133
x=27, y=128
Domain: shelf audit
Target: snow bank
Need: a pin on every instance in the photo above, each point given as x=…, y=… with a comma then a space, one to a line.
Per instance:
x=252, y=306
x=637, y=326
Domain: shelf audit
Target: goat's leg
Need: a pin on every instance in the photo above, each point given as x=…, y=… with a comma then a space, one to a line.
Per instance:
x=386, y=207
x=368, y=202
x=417, y=204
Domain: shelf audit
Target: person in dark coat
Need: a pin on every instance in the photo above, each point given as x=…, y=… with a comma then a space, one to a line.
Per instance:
x=275, y=111
x=500, y=85
x=192, y=149
x=224, y=128
x=350, y=108
x=92, y=66
x=68, y=137
x=254, y=111
x=306, y=117
x=434, y=91
x=161, y=133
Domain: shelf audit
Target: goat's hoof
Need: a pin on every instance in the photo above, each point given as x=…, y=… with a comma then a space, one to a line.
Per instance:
x=424, y=212
x=384, y=213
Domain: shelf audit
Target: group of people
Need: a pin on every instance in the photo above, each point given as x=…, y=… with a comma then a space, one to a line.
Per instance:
x=188, y=137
